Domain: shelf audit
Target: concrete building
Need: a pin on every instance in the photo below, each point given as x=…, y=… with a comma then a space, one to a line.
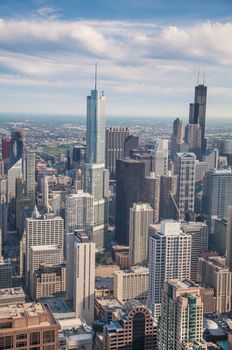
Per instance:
x=30, y=177
x=213, y=272
x=217, y=195
x=74, y=333
x=134, y=328
x=160, y=157
x=185, y=171
x=27, y=326
x=105, y=307
x=177, y=137
x=141, y=216
x=152, y=194
x=221, y=237
x=169, y=258
x=131, y=284
x=229, y=238
x=181, y=324
x=49, y=280
x=79, y=212
x=11, y=296
x=199, y=233
x=81, y=274
x=115, y=139
x=45, y=231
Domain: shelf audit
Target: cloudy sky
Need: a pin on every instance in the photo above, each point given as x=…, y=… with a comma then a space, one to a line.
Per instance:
x=149, y=54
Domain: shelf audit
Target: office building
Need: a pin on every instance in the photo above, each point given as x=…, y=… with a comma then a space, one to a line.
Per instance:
x=229, y=238
x=185, y=171
x=220, y=237
x=211, y=158
x=16, y=147
x=212, y=272
x=5, y=273
x=30, y=177
x=75, y=334
x=96, y=177
x=115, y=140
x=181, y=324
x=130, y=179
x=49, y=280
x=51, y=255
x=13, y=173
x=134, y=328
x=28, y=326
x=42, y=231
x=193, y=139
x=169, y=258
x=160, y=157
x=79, y=212
x=141, y=216
x=105, y=307
x=217, y=195
x=152, y=194
x=199, y=233
x=131, y=284
x=45, y=191
x=5, y=148
x=168, y=188
x=131, y=142
x=11, y=296
x=177, y=137
x=81, y=274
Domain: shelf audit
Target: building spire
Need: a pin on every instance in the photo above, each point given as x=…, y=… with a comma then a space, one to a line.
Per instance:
x=95, y=76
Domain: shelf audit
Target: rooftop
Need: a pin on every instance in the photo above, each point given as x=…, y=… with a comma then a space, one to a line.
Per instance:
x=21, y=310
x=9, y=292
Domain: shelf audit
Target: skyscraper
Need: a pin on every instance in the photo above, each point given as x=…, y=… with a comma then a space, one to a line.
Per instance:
x=177, y=136
x=129, y=190
x=181, y=325
x=81, y=274
x=168, y=189
x=169, y=258
x=160, y=160
x=40, y=230
x=141, y=216
x=30, y=176
x=217, y=195
x=229, y=237
x=185, y=171
x=152, y=194
x=115, y=139
x=79, y=213
x=96, y=179
x=16, y=147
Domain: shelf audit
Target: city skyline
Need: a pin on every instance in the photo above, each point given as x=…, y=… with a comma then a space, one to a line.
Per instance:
x=149, y=56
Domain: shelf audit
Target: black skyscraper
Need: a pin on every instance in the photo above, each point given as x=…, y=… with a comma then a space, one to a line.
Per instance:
x=16, y=147
x=129, y=190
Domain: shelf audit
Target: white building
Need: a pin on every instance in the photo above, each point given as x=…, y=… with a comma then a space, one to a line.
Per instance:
x=131, y=284
x=141, y=216
x=169, y=258
x=81, y=274
x=160, y=161
x=79, y=213
x=46, y=231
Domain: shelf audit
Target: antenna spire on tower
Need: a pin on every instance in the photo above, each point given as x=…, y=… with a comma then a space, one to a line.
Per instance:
x=95, y=76
x=198, y=76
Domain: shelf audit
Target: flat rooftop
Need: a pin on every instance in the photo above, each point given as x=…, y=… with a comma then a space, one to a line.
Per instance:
x=11, y=292
x=21, y=310
x=60, y=307
x=109, y=303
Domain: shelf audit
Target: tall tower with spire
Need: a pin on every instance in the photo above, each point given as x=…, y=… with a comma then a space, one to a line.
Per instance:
x=96, y=179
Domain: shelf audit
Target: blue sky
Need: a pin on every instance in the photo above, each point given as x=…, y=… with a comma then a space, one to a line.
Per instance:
x=149, y=53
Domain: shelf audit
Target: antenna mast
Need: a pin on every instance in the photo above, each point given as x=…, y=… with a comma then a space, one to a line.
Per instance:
x=95, y=76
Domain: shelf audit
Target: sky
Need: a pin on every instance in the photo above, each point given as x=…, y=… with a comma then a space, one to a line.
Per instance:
x=150, y=54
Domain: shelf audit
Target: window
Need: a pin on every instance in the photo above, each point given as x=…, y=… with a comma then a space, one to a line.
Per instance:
x=21, y=336
x=49, y=337
x=34, y=338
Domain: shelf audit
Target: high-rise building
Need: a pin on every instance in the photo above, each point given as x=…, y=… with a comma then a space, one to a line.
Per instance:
x=131, y=142
x=177, y=136
x=199, y=233
x=217, y=195
x=5, y=148
x=152, y=194
x=169, y=258
x=141, y=216
x=131, y=284
x=79, y=212
x=28, y=326
x=81, y=274
x=181, y=325
x=115, y=139
x=212, y=272
x=30, y=176
x=185, y=171
x=130, y=179
x=229, y=238
x=46, y=231
x=160, y=157
x=16, y=147
x=96, y=181
x=193, y=139
x=5, y=273
x=45, y=191
x=134, y=329
x=211, y=158
x=168, y=189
